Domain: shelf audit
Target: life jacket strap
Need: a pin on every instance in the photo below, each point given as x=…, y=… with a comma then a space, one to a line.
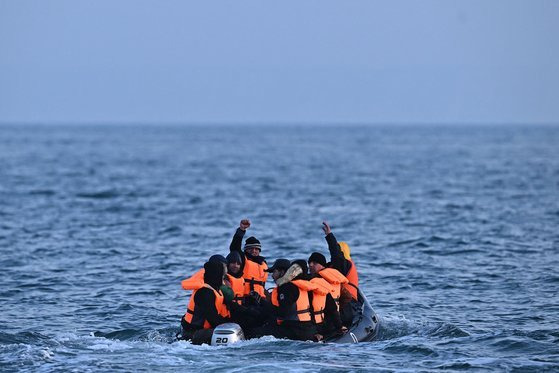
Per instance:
x=188, y=310
x=253, y=282
x=306, y=310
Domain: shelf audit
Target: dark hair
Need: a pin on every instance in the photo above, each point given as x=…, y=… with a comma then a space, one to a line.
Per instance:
x=234, y=257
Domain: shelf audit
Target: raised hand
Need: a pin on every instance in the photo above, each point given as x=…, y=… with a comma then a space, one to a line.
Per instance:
x=326, y=228
x=245, y=224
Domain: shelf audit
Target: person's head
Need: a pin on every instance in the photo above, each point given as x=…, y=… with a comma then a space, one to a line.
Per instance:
x=213, y=274
x=303, y=264
x=279, y=268
x=219, y=259
x=317, y=262
x=234, y=262
x=252, y=246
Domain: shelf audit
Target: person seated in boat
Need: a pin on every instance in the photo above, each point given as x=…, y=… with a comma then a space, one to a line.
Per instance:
x=253, y=266
x=289, y=304
x=234, y=278
x=323, y=306
x=245, y=309
x=326, y=315
x=207, y=306
x=340, y=259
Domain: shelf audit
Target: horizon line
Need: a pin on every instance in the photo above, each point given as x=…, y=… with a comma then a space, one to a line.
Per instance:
x=273, y=123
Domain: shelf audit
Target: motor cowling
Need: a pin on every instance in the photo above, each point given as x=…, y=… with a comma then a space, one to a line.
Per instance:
x=227, y=334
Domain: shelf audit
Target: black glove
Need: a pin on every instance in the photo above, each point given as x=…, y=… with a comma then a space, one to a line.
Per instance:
x=254, y=297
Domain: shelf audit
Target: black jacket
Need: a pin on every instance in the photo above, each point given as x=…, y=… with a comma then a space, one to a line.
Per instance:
x=337, y=258
x=205, y=310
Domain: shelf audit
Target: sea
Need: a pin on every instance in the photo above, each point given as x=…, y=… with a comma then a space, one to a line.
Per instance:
x=454, y=230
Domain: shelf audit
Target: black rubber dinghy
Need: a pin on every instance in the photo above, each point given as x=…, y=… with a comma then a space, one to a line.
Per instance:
x=364, y=327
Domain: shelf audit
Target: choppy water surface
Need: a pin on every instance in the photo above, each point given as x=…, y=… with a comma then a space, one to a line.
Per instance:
x=454, y=231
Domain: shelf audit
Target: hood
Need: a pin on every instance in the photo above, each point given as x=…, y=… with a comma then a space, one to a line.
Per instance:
x=213, y=274
x=345, y=250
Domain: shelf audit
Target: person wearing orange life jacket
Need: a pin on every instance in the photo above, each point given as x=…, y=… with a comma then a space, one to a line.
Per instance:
x=253, y=266
x=245, y=310
x=319, y=267
x=331, y=322
x=234, y=277
x=289, y=304
x=340, y=259
x=323, y=306
x=207, y=307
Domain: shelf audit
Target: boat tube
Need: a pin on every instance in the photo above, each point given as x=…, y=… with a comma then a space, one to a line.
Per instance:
x=365, y=325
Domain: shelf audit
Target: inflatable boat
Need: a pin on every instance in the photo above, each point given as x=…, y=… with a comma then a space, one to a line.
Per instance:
x=364, y=327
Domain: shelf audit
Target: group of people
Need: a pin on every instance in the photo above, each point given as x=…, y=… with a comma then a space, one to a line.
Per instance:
x=313, y=299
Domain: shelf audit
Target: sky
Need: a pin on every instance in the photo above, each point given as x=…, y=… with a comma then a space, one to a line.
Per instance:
x=319, y=61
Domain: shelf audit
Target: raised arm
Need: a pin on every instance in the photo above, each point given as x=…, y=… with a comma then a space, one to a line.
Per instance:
x=337, y=257
x=237, y=241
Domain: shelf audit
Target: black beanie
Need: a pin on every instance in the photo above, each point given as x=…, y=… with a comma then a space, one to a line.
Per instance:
x=302, y=264
x=213, y=274
x=217, y=258
x=234, y=257
x=318, y=258
x=252, y=242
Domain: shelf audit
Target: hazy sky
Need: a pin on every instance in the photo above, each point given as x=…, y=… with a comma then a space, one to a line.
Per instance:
x=279, y=61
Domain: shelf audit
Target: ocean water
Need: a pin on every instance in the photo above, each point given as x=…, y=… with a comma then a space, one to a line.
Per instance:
x=454, y=230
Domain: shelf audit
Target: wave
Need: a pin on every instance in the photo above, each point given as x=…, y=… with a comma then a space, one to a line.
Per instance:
x=393, y=327
x=22, y=337
x=402, y=339
x=42, y=192
x=102, y=194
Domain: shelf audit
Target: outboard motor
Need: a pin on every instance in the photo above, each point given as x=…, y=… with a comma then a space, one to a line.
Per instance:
x=227, y=334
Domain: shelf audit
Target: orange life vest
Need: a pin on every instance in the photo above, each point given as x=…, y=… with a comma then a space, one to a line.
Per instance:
x=255, y=277
x=301, y=310
x=336, y=279
x=196, y=281
x=219, y=305
x=353, y=279
x=238, y=287
x=323, y=288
